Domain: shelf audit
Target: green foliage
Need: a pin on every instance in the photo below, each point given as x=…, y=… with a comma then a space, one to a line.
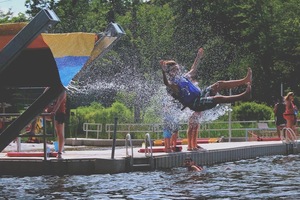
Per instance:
x=8, y=17
x=235, y=34
x=96, y=113
x=118, y=110
x=35, y=6
x=252, y=111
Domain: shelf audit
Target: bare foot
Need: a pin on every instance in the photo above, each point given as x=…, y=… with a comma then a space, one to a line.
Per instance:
x=248, y=78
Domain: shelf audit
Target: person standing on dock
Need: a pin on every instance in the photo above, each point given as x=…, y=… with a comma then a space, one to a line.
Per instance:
x=279, y=109
x=192, y=131
x=174, y=137
x=167, y=134
x=167, y=127
x=171, y=125
x=291, y=111
x=58, y=109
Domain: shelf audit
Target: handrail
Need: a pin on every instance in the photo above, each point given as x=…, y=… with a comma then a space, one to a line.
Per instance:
x=156, y=129
x=148, y=153
x=285, y=139
x=128, y=139
x=87, y=128
x=44, y=135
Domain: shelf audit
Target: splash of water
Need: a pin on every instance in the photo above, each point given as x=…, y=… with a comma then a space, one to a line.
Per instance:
x=146, y=90
x=214, y=113
x=167, y=106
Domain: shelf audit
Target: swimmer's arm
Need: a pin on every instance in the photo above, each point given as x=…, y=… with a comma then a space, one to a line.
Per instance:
x=196, y=168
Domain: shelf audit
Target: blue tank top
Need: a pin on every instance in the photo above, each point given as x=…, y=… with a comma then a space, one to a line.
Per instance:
x=188, y=92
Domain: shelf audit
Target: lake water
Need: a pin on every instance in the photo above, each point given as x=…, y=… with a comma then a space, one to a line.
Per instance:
x=276, y=177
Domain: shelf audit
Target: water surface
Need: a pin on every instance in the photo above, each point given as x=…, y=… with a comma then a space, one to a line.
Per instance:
x=275, y=177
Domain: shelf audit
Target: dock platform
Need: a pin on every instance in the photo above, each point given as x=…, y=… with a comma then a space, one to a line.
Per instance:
x=83, y=160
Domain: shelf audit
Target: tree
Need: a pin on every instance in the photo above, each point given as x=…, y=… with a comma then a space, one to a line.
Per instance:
x=8, y=17
x=35, y=6
x=260, y=34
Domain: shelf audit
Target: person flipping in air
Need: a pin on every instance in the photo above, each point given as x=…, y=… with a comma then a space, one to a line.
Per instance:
x=183, y=88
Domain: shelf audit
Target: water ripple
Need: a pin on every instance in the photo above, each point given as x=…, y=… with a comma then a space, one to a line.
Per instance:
x=275, y=177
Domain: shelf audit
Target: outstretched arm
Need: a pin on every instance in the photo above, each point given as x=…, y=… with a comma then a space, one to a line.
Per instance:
x=193, y=70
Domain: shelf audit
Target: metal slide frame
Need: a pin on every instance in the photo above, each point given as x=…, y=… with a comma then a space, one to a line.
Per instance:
x=113, y=33
x=41, y=22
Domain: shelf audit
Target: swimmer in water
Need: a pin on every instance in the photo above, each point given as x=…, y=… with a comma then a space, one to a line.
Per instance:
x=191, y=166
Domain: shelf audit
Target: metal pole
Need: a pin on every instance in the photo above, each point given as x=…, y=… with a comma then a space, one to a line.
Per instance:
x=281, y=89
x=114, y=139
x=229, y=120
x=44, y=138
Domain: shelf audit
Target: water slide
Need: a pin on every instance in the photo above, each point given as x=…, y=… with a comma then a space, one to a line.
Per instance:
x=29, y=57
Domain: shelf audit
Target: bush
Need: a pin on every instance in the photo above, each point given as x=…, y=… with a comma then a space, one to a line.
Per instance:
x=252, y=111
x=96, y=113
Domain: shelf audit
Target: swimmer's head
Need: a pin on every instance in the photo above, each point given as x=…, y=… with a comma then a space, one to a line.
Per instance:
x=188, y=161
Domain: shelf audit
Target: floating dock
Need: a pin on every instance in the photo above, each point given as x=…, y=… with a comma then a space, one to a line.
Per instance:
x=81, y=160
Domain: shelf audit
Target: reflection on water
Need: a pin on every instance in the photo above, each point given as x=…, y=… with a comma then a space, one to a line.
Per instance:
x=262, y=178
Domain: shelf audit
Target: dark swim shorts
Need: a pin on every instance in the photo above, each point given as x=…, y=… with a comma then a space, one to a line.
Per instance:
x=204, y=102
x=60, y=117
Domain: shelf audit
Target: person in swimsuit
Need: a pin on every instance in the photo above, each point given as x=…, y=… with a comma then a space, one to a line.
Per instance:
x=279, y=109
x=174, y=137
x=167, y=127
x=192, y=131
x=290, y=111
x=58, y=109
x=191, y=166
x=184, y=89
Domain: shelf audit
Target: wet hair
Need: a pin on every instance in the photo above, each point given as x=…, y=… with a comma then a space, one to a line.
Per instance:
x=188, y=159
